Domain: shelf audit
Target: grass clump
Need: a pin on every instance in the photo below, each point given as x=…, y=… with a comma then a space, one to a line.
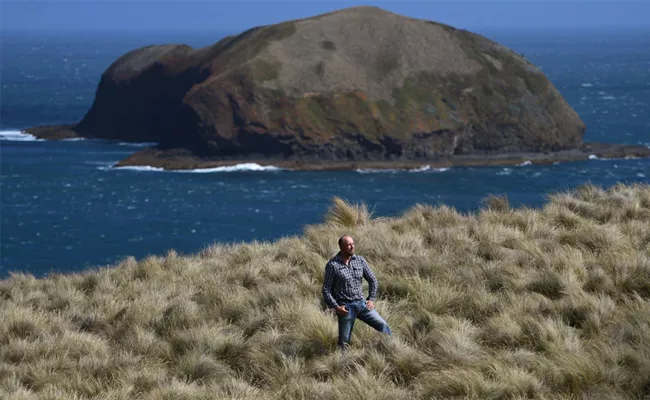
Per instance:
x=347, y=215
x=503, y=303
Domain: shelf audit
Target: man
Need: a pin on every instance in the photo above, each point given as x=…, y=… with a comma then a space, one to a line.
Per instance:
x=343, y=291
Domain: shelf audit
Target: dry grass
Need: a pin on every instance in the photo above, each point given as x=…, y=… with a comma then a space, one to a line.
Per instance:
x=505, y=303
x=344, y=214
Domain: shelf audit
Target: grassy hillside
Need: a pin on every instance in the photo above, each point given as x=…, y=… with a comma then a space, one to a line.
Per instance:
x=506, y=303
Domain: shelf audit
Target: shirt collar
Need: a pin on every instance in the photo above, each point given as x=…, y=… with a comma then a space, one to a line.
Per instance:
x=338, y=257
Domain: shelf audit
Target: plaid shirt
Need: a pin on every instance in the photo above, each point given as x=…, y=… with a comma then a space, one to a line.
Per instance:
x=343, y=282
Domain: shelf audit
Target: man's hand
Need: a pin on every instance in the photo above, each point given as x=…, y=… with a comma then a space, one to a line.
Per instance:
x=370, y=305
x=341, y=311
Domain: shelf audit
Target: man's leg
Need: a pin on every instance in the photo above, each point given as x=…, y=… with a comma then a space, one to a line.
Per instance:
x=375, y=320
x=346, y=324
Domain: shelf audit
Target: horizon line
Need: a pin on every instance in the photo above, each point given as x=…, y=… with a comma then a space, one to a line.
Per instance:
x=605, y=28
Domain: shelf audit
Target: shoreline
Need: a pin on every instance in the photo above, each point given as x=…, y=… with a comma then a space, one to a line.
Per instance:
x=182, y=159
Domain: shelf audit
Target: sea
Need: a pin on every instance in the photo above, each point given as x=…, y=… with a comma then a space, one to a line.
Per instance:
x=65, y=209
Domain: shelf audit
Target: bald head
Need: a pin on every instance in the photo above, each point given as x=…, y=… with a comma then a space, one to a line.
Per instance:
x=346, y=245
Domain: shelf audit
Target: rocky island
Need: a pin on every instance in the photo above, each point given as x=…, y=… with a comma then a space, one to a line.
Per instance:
x=357, y=87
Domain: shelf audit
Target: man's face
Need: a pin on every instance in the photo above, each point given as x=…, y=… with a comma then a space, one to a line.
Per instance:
x=347, y=245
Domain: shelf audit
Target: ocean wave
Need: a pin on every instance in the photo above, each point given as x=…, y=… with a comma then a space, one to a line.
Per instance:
x=18, y=136
x=424, y=168
x=525, y=163
x=376, y=171
x=76, y=139
x=230, y=168
x=233, y=168
x=141, y=144
x=429, y=169
x=102, y=165
x=593, y=157
x=146, y=168
x=587, y=84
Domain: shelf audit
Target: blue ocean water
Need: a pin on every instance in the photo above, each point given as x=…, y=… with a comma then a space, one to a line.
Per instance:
x=65, y=209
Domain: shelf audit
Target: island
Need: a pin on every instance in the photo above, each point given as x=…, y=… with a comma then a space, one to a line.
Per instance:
x=358, y=87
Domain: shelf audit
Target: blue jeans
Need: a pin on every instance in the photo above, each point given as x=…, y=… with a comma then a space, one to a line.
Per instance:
x=357, y=309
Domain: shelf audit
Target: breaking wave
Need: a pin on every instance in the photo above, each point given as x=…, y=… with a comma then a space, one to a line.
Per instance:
x=229, y=168
x=18, y=136
x=233, y=168
x=424, y=168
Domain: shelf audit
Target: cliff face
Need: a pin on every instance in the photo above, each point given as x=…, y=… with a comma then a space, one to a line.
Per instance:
x=357, y=84
x=140, y=97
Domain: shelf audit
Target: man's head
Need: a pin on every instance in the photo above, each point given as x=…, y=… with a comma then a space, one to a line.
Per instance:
x=346, y=245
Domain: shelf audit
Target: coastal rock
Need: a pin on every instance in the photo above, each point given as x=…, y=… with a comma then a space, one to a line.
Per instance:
x=361, y=83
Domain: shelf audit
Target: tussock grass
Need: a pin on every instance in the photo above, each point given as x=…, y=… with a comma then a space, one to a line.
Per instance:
x=547, y=303
x=346, y=214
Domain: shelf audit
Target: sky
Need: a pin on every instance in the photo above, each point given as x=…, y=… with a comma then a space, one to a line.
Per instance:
x=237, y=16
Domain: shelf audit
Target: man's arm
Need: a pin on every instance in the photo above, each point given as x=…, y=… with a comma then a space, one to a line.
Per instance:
x=328, y=282
x=372, y=281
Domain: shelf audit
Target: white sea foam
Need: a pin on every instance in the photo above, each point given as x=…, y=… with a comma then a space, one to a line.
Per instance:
x=505, y=171
x=640, y=175
x=593, y=157
x=587, y=84
x=424, y=168
x=143, y=144
x=376, y=171
x=525, y=163
x=18, y=136
x=420, y=169
x=608, y=98
x=234, y=168
x=146, y=168
x=76, y=139
x=103, y=166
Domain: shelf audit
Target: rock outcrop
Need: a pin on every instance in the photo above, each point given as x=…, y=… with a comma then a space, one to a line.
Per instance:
x=356, y=84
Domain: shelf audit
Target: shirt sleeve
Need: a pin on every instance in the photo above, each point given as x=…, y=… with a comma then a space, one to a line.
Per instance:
x=328, y=282
x=372, y=281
